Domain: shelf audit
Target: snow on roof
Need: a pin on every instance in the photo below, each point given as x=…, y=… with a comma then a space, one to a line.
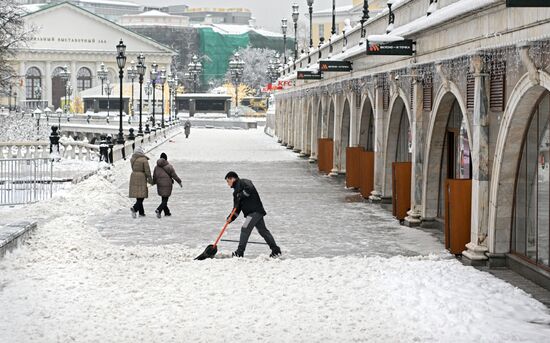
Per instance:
x=154, y=13
x=109, y=2
x=229, y=29
x=338, y=9
x=32, y=7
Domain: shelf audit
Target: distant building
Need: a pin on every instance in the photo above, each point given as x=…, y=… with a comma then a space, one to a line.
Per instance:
x=234, y=16
x=154, y=18
x=107, y=9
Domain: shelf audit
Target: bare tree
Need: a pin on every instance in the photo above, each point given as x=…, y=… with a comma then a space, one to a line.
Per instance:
x=13, y=34
x=255, y=61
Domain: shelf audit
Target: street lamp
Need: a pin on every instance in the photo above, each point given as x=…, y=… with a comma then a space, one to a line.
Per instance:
x=141, y=72
x=333, y=31
x=65, y=75
x=236, y=68
x=194, y=69
x=171, y=87
x=284, y=27
x=153, y=75
x=121, y=62
x=132, y=74
x=102, y=75
x=59, y=112
x=108, y=90
x=364, y=19
x=310, y=5
x=295, y=16
x=163, y=81
x=68, y=92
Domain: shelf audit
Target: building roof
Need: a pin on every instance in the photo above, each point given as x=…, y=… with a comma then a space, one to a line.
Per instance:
x=154, y=13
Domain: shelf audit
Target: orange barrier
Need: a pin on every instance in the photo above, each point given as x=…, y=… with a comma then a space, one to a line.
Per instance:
x=353, y=170
x=458, y=211
x=401, y=189
x=366, y=173
x=325, y=154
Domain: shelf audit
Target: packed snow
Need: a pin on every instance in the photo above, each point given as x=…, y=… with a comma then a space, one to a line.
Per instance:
x=71, y=283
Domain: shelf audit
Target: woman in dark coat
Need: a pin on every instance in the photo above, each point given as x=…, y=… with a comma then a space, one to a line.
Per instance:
x=141, y=175
x=164, y=176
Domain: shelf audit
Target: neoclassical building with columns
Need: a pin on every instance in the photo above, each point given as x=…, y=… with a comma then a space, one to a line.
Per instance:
x=67, y=35
x=456, y=136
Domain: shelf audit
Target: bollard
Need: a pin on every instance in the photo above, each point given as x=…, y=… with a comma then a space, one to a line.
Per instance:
x=147, y=131
x=103, y=149
x=111, y=145
x=54, y=140
x=132, y=137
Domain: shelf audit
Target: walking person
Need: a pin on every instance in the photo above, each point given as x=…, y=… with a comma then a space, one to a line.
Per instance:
x=164, y=176
x=247, y=200
x=141, y=175
x=187, y=128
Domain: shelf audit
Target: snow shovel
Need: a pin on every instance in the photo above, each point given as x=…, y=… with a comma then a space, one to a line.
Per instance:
x=212, y=249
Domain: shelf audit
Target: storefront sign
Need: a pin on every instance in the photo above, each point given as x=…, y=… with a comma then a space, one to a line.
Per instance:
x=285, y=84
x=309, y=75
x=398, y=48
x=527, y=3
x=335, y=66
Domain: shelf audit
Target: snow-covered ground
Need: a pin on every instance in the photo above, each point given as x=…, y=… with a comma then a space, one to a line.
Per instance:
x=71, y=283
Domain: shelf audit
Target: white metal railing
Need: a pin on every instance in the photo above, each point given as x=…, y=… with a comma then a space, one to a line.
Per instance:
x=70, y=150
x=25, y=180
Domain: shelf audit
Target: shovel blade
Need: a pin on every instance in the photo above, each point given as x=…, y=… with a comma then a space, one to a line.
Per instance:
x=209, y=252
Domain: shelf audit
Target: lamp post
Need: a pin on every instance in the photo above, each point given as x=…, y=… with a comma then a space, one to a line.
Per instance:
x=132, y=74
x=148, y=92
x=121, y=62
x=310, y=5
x=162, y=81
x=108, y=90
x=284, y=27
x=141, y=72
x=68, y=92
x=153, y=75
x=102, y=75
x=333, y=31
x=194, y=69
x=236, y=68
x=59, y=112
x=171, y=84
x=364, y=19
x=295, y=16
x=65, y=75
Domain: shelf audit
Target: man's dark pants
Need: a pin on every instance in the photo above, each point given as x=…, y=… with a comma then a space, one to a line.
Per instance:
x=255, y=220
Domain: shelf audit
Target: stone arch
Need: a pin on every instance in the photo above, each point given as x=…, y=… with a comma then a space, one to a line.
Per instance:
x=33, y=83
x=515, y=121
x=366, y=124
x=399, y=116
x=439, y=116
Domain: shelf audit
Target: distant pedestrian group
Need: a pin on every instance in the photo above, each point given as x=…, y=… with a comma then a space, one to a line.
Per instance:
x=245, y=197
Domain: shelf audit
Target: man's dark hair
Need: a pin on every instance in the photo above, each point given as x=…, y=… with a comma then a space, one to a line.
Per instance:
x=231, y=174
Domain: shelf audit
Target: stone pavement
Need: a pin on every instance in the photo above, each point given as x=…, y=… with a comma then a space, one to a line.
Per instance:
x=309, y=214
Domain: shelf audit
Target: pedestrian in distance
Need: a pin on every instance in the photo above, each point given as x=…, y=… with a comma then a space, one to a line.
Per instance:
x=187, y=128
x=141, y=175
x=247, y=200
x=164, y=176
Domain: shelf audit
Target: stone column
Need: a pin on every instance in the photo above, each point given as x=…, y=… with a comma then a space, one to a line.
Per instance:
x=298, y=115
x=337, y=136
x=355, y=115
x=475, y=250
x=313, y=128
x=47, y=91
x=415, y=213
x=74, y=75
x=379, y=153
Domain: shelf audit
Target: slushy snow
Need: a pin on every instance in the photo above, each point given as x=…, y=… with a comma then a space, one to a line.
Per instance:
x=68, y=283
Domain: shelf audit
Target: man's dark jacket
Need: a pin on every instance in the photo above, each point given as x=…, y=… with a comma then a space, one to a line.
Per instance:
x=246, y=198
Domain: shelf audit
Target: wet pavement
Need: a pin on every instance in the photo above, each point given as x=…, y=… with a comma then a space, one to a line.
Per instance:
x=309, y=214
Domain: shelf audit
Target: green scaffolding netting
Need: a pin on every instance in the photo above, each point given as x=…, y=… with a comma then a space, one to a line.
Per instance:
x=219, y=47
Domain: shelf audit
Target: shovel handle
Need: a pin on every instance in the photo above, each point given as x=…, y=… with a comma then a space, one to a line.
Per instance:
x=224, y=227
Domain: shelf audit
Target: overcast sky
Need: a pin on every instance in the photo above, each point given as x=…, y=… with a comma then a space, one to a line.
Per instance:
x=268, y=13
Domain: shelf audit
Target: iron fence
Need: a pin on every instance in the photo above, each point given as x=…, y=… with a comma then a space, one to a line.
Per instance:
x=25, y=180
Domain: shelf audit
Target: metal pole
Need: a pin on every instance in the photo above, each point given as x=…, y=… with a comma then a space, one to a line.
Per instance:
x=284, y=48
x=154, y=91
x=162, y=111
x=140, y=131
x=120, y=132
x=295, y=41
x=333, y=31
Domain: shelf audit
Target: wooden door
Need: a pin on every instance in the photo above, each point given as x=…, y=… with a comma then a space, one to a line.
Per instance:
x=325, y=155
x=401, y=189
x=366, y=173
x=458, y=210
x=353, y=160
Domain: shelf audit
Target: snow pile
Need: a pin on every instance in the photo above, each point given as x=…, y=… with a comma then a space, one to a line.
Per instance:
x=15, y=128
x=68, y=284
